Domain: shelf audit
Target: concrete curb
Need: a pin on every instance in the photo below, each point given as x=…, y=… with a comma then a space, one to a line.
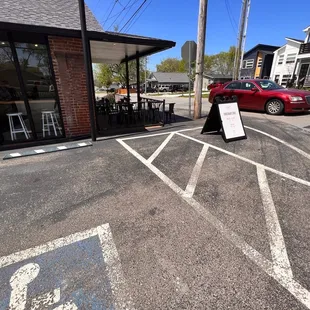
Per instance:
x=46, y=149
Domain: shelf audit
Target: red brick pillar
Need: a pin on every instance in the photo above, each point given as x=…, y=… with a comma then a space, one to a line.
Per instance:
x=68, y=63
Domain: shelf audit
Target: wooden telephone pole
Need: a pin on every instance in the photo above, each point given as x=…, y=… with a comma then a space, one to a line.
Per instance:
x=241, y=38
x=201, y=40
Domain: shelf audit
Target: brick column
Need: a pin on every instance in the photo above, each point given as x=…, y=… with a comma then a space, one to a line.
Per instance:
x=68, y=63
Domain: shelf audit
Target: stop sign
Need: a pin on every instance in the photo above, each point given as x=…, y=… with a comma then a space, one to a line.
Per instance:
x=188, y=51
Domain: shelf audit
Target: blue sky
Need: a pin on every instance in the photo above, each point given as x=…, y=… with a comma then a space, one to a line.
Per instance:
x=270, y=22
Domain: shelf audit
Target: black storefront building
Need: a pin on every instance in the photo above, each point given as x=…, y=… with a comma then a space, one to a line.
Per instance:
x=45, y=94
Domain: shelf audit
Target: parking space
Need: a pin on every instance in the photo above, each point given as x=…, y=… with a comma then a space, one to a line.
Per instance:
x=228, y=185
x=193, y=223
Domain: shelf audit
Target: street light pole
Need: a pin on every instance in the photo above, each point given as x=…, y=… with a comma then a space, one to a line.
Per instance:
x=201, y=40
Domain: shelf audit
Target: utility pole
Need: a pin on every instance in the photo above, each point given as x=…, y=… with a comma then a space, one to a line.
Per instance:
x=241, y=37
x=189, y=81
x=201, y=40
x=145, y=87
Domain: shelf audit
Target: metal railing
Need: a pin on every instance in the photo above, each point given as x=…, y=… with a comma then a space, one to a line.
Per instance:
x=304, y=48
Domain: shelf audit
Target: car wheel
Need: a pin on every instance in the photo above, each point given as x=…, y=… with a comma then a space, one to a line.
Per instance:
x=274, y=107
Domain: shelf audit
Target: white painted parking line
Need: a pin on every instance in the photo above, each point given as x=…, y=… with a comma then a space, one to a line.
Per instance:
x=282, y=275
x=39, y=151
x=160, y=148
x=299, y=151
x=61, y=147
x=160, y=134
x=283, y=174
x=50, y=246
x=191, y=186
x=114, y=269
x=15, y=154
x=282, y=264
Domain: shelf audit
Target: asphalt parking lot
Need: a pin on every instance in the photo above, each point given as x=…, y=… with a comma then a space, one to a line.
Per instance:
x=167, y=220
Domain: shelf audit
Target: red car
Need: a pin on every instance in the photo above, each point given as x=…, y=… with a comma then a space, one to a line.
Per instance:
x=263, y=95
x=214, y=85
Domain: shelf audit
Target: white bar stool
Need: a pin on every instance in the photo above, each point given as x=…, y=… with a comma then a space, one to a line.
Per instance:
x=14, y=130
x=49, y=120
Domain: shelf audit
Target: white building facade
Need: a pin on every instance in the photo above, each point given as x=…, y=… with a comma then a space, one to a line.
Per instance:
x=292, y=62
x=284, y=61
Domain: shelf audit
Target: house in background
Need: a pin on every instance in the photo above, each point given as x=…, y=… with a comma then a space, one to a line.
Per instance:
x=209, y=78
x=167, y=79
x=284, y=61
x=292, y=62
x=257, y=62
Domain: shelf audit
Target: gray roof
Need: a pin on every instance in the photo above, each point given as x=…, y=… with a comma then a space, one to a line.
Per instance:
x=217, y=76
x=170, y=77
x=50, y=13
x=297, y=40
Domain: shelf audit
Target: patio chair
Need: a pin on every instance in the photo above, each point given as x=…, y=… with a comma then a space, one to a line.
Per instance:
x=170, y=112
x=154, y=107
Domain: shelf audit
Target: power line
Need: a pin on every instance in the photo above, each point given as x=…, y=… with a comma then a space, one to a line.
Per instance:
x=102, y=21
x=230, y=18
x=133, y=15
x=130, y=7
x=232, y=15
x=134, y=21
x=121, y=12
x=111, y=10
x=95, y=8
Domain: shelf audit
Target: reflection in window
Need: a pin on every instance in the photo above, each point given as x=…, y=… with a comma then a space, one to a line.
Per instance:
x=35, y=67
x=14, y=121
x=247, y=85
x=234, y=85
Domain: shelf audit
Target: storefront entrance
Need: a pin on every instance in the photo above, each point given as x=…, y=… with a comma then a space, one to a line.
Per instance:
x=29, y=105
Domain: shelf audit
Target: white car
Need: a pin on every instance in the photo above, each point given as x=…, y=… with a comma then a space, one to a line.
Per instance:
x=164, y=88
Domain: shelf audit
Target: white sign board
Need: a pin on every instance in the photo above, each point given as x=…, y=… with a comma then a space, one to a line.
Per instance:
x=231, y=121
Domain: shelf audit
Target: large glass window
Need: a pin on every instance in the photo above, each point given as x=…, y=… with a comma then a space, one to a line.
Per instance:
x=40, y=89
x=14, y=121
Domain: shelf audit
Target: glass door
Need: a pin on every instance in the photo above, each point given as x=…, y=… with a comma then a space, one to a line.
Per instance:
x=40, y=89
x=14, y=120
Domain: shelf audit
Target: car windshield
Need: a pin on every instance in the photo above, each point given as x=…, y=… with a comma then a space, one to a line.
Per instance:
x=268, y=85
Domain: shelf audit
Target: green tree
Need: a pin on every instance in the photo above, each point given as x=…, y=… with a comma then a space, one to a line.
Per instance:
x=171, y=65
x=208, y=63
x=104, y=75
x=221, y=63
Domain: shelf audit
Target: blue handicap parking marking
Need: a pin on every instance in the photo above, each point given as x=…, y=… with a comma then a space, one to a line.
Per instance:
x=73, y=276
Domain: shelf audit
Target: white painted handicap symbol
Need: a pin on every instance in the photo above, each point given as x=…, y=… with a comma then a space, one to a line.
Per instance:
x=79, y=271
x=19, y=284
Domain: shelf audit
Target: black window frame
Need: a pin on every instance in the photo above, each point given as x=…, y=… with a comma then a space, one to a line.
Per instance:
x=20, y=37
